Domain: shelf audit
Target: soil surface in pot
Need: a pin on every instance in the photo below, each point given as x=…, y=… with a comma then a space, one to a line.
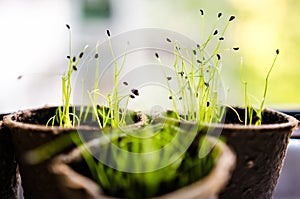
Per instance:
x=269, y=117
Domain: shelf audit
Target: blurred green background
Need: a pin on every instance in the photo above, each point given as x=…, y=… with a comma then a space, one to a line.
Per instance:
x=259, y=29
x=34, y=42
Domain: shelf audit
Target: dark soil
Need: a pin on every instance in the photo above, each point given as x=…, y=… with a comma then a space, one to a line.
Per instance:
x=42, y=116
x=268, y=117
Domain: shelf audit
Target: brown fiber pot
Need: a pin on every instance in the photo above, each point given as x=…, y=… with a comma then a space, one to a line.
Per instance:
x=9, y=177
x=78, y=186
x=260, y=153
x=29, y=132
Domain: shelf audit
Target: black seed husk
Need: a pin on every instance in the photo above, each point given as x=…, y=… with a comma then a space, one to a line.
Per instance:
x=231, y=18
x=156, y=55
x=169, y=78
x=108, y=33
x=68, y=26
x=194, y=52
x=131, y=96
x=96, y=56
x=277, y=51
x=177, y=48
x=170, y=97
x=135, y=92
x=221, y=38
x=219, y=14
x=74, y=67
x=80, y=55
x=125, y=83
x=216, y=32
x=207, y=104
x=168, y=40
x=236, y=48
x=202, y=12
x=74, y=59
x=219, y=56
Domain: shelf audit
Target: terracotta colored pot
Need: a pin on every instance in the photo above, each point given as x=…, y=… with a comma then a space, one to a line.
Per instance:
x=260, y=153
x=29, y=131
x=9, y=176
x=77, y=185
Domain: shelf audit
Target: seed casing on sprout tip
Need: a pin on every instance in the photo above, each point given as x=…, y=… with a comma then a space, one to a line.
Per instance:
x=135, y=92
x=201, y=12
x=231, y=18
x=80, y=55
x=108, y=33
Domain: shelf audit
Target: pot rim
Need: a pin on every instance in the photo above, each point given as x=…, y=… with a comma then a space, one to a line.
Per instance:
x=222, y=171
x=12, y=123
x=292, y=123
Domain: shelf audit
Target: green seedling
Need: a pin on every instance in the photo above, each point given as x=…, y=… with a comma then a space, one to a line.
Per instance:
x=198, y=77
x=180, y=172
x=250, y=111
x=116, y=114
x=63, y=115
x=185, y=169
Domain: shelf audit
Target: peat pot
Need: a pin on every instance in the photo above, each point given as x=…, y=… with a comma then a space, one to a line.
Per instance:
x=75, y=177
x=260, y=152
x=29, y=131
x=9, y=178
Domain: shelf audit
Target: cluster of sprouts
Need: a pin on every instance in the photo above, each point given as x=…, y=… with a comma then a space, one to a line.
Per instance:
x=197, y=76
